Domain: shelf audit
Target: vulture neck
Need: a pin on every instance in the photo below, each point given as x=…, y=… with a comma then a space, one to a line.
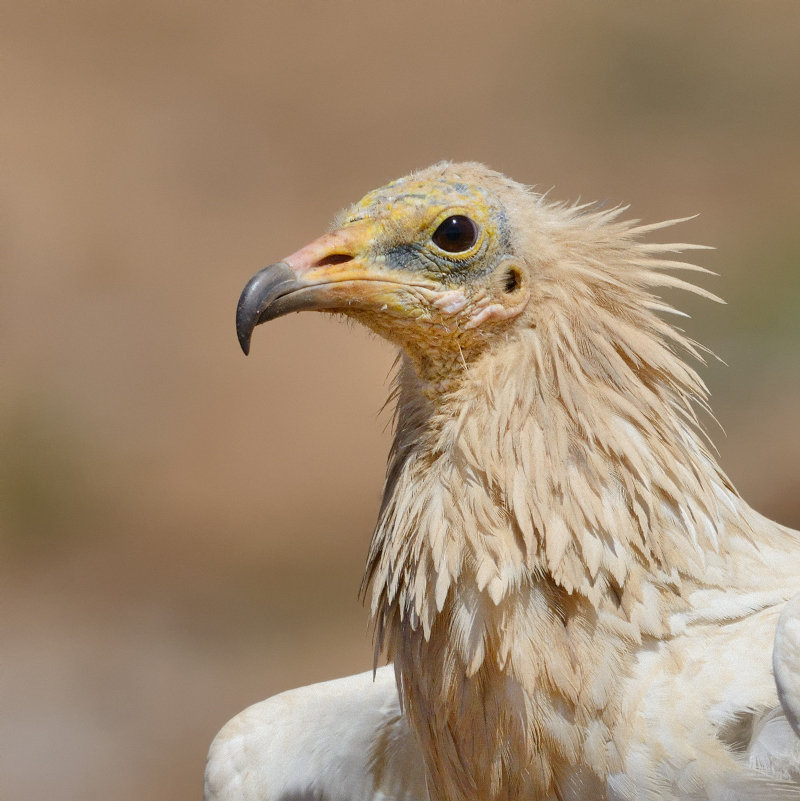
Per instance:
x=541, y=516
x=530, y=462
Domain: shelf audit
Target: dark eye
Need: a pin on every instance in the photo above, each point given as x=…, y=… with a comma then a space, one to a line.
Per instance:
x=456, y=234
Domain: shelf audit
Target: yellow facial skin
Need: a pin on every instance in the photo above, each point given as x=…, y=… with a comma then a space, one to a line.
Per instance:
x=389, y=234
x=382, y=267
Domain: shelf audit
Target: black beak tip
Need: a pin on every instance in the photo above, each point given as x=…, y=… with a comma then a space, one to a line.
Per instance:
x=262, y=290
x=245, y=324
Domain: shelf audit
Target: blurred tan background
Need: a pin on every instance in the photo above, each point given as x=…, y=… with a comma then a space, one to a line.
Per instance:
x=182, y=530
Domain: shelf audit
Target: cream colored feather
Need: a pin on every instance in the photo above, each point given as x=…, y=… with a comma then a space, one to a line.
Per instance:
x=577, y=602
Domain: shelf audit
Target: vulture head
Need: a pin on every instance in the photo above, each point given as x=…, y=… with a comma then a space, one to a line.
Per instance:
x=429, y=261
x=447, y=261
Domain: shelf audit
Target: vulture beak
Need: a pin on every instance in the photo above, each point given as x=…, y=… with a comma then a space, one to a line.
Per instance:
x=331, y=274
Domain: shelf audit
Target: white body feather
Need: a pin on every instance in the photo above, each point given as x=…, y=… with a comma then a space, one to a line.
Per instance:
x=343, y=740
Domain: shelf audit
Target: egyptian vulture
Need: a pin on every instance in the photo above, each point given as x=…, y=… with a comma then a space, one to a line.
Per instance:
x=577, y=602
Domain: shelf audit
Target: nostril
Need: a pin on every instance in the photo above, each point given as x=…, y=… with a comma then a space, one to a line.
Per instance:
x=334, y=258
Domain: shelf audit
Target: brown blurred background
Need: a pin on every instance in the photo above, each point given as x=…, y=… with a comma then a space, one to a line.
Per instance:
x=182, y=530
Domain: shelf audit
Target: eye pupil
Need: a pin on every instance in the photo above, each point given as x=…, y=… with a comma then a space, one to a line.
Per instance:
x=456, y=234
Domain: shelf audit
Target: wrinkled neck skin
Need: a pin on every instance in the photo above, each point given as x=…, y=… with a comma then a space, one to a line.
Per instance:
x=543, y=517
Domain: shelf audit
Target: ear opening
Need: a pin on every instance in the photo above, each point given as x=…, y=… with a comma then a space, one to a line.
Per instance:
x=512, y=280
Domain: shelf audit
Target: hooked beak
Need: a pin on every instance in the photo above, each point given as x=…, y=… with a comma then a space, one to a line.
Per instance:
x=261, y=298
x=330, y=274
